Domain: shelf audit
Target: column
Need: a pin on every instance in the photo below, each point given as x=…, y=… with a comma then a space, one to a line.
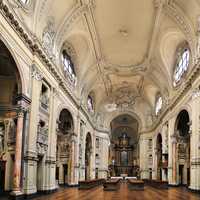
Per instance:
x=171, y=124
x=73, y=158
x=50, y=161
x=174, y=160
x=30, y=158
x=18, y=152
x=195, y=142
x=155, y=165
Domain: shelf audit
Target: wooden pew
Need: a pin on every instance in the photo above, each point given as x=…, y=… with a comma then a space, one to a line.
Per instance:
x=88, y=184
x=156, y=183
x=135, y=184
x=111, y=185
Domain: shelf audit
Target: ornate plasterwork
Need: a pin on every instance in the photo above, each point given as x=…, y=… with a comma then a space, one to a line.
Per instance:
x=48, y=36
x=177, y=15
x=126, y=70
x=196, y=93
x=122, y=98
x=35, y=73
x=43, y=5
x=75, y=14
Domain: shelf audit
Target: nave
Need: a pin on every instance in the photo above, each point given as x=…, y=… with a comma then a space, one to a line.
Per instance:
x=93, y=92
x=150, y=193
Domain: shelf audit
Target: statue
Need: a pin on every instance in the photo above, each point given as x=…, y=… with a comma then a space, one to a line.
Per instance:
x=1, y=139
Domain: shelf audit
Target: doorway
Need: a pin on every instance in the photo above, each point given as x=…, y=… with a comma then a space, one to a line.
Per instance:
x=65, y=174
x=188, y=176
x=181, y=167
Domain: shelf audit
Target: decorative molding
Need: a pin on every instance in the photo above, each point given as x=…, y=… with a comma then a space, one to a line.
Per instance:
x=48, y=36
x=35, y=73
x=177, y=15
x=171, y=10
x=195, y=162
x=75, y=14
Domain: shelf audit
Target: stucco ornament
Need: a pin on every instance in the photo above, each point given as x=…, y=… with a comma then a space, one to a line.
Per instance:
x=48, y=37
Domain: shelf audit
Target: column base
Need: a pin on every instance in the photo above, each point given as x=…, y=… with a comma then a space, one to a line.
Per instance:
x=194, y=189
x=16, y=195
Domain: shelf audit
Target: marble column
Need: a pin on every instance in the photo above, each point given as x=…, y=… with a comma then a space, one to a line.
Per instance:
x=18, y=152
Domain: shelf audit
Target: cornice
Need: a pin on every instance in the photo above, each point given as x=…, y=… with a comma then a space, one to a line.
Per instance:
x=37, y=50
x=187, y=87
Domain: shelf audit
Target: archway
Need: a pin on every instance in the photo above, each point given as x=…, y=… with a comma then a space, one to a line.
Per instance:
x=88, y=155
x=10, y=87
x=183, y=148
x=124, y=148
x=159, y=156
x=63, y=157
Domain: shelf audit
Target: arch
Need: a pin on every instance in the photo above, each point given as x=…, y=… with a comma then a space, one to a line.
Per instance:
x=182, y=133
x=62, y=107
x=187, y=108
x=169, y=42
x=64, y=152
x=10, y=82
x=113, y=115
x=182, y=123
x=65, y=124
x=17, y=63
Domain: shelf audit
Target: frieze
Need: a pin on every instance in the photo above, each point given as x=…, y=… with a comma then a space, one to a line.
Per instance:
x=195, y=162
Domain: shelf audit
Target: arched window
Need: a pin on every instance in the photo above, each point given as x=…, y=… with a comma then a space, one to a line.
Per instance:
x=68, y=66
x=90, y=104
x=158, y=105
x=24, y=1
x=182, y=64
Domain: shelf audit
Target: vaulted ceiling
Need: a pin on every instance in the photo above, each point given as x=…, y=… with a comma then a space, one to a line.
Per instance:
x=124, y=50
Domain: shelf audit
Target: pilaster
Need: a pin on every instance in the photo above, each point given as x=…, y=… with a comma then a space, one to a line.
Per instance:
x=195, y=142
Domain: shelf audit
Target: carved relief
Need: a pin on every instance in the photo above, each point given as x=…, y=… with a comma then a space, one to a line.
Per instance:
x=35, y=73
x=42, y=138
x=48, y=37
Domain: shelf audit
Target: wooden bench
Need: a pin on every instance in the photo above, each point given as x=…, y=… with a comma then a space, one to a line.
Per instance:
x=156, y=183
x=135, y=184
x=111, y=185
x=88, y=184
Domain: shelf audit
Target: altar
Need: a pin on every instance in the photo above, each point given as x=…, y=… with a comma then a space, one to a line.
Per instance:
x=123, y=163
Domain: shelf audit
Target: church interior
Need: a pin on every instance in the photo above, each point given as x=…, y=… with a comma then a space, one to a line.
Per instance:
x=100, y=99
